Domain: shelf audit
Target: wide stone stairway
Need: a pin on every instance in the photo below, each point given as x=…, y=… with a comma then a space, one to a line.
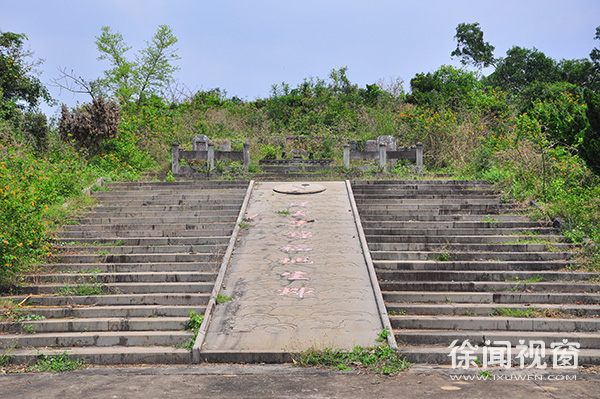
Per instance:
x=128, y=273
x=455, y=263
x=444, y=263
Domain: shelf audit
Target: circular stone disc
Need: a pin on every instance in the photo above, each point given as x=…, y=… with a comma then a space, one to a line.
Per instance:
x=299, y=188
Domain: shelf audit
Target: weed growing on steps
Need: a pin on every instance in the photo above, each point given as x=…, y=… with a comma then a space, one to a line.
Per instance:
x=520, y=286
x=11, y=312
x=96, y=288
x=443, y=257
x=57, y=363
x=193, y=324
x=489, y=219
x=379, y=358
x=527, y=313
x=223, y=298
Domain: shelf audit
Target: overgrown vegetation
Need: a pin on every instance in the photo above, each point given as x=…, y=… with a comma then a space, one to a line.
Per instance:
x=379, y=358
x=532, y=127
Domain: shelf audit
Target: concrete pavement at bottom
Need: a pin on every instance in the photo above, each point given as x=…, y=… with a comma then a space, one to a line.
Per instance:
x=298, y=277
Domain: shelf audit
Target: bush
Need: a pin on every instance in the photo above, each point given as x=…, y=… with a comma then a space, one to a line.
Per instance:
x=90, y=124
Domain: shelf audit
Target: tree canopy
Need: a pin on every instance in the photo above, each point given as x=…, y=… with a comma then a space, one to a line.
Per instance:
x=20, y=86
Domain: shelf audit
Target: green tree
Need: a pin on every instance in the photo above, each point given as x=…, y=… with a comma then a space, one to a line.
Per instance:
x=20, y=86
x=521, y=68
x=470, y=47
x=447, y=88
x=590, y=147
x=135, y=80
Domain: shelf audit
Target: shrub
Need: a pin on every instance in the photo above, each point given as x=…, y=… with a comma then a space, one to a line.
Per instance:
x=91, y=124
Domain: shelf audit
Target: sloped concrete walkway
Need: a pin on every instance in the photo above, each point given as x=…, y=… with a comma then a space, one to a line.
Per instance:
x=298, y=279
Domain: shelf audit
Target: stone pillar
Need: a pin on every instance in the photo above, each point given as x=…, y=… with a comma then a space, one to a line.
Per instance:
x=419, y=157
x=246, y=156
x=382, y=156
x=175, y=158
x=210, y=160
x=390, y=145
x=347, y=155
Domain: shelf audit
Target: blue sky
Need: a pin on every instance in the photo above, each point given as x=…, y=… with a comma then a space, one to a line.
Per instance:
x=244, y=47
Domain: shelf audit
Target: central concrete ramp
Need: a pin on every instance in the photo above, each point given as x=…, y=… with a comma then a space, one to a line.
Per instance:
x=298, y=279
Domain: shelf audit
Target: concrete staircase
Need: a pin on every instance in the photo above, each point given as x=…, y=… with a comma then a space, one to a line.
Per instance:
x=128, y=273
x=455, y=262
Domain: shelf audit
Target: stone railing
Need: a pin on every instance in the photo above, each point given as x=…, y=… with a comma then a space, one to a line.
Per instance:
x=412, y=154
x=209, y=155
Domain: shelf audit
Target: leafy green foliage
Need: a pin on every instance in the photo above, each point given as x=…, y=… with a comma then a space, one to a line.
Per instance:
x=57, y=363
x=138, y=80
x=195, y=321
x=20, y=88
x=470, y=47
x=590, y=149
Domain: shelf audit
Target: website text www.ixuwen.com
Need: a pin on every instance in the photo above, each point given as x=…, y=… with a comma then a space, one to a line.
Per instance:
x=483, y=376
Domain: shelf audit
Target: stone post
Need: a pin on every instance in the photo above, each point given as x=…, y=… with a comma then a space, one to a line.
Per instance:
x=210, y=159
x=419, y=157
x=175, y=158
x=246, y=156
x=382, y=156
x=347, y=155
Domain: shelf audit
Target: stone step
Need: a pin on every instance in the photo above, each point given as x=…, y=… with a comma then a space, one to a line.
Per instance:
x=421, y=189
x=127, y=288
x=440, y=355
x=462, y=256
x=132, y=277
x=587, y=340
x=476, y=309
x=465, y=239
x=183, y=184
x=463, y=247
x=137, y=241
x=108, y=355
x=138, y=258
x=499, y=298
x=395, y=217
x=164, y=208
x=142, y=220
x=436, y=196
x=461, y=225
x=442, y=209
x=420, y=183
x=426, y=201
x=96, y=339
x=99, y=212
x=124, y=311
x=97, y=324
x=116, y=235
x=477, y=275
x=197, y=203
x=131, y=267
x=155, y=226
x=491, y=286
x=456, y=231
x=176, y=196
x=471, y=265
x=132, y=299
x=478, y=213
x=485, y=323
x=140, y=249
